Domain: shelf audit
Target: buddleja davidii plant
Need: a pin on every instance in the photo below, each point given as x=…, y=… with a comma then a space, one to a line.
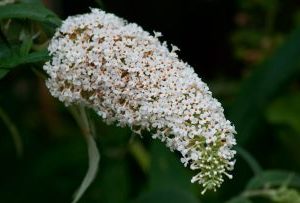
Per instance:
x=130, y=78
x=101, y=62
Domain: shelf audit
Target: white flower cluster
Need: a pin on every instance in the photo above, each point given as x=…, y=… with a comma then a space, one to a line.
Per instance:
x=129, y=77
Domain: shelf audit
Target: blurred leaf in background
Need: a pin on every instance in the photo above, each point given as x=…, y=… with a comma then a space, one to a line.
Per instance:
x=286, y=111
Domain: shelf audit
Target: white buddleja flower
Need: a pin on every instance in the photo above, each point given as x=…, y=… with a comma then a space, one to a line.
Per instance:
x=130, y=78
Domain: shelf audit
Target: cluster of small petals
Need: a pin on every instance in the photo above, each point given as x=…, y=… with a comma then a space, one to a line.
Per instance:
x=130, y=78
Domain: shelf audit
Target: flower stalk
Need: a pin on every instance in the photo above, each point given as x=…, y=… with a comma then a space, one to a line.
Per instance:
x=88, y=130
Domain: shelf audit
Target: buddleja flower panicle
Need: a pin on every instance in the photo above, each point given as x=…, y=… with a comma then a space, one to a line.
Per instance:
x=130, y=78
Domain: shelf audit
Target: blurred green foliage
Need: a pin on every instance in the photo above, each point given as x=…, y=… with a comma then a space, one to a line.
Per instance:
x=263, y=102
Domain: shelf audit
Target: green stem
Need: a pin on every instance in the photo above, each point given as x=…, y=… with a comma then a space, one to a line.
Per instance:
x=14, y=132
x=87, y=128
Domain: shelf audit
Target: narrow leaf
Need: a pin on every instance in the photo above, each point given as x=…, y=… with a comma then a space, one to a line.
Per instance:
x=258, y=91
x=35, y=57
x=30, y=11
x=274, y=178
x=15, y=60
x=94, y=158
x=25, y=47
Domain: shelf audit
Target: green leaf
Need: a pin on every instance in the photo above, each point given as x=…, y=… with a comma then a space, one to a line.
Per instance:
x=30, y=11
x=14, y=59
x=87, y=127
x=35, y=57
x=265, y=82
x=286, y=195
x=286, y=110
x=274, y=178
x=9, y=62
x=94, y=158
x=167, y=195
x=25, y=47
x=239, y=199
x=5, y=52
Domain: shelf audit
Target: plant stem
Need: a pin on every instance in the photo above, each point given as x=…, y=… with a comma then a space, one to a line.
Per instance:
x=86, y=125
x=14, y=132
